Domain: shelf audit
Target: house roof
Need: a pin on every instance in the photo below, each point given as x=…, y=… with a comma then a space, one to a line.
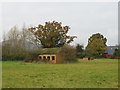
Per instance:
x=110, y=49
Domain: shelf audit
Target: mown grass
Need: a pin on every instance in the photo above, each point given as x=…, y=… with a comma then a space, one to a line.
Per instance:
x=99, y=73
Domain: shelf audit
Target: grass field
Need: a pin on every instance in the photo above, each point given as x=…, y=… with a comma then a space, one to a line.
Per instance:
x=99, y=73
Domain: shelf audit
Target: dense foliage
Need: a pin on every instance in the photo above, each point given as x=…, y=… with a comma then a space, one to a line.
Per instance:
x=11, y=46
x=69, y=53
x=96, y=45
x=117, y=52
x=80, y=51
x=52, y=34
x=16, y=45
x=21, y=44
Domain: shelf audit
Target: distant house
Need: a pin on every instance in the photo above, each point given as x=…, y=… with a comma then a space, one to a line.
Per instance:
x=109, y=53
x=111, y=49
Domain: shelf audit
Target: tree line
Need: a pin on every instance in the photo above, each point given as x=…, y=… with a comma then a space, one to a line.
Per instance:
x=20, y=44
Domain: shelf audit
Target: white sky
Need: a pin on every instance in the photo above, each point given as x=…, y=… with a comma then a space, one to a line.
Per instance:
x=84, y=18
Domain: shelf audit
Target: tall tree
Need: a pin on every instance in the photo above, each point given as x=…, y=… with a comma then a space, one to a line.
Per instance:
x=52, y=34
x=80, y=51
x=79, y=48
x=96, y=45
x=13, y=45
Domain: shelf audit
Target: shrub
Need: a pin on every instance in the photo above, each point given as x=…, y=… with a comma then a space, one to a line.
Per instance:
x=69, y=53
x=80, y=54
x=80, y=51
x=13, y=57
x=117, y=52
x=32, y=55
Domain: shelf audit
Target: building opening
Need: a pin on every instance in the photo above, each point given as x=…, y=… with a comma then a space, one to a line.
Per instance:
x=40, y=57
x=48, y=58
x=44, y=57
x=53, y=57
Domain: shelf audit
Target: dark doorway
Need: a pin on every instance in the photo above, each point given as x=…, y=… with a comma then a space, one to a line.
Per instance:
x=48, y=58
x=53, y=57
x=44, y=57
x=40, y=57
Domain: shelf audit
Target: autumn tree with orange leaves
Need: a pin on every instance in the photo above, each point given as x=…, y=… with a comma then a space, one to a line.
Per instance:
x=52, y=34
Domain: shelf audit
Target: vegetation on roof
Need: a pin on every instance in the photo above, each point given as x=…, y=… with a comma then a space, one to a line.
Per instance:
x=49, y=50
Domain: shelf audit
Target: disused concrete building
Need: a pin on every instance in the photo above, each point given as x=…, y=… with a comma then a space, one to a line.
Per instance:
x=51, y=58
x=51, y=55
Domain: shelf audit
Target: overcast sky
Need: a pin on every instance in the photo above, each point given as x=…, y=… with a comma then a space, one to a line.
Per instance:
x=84, y=18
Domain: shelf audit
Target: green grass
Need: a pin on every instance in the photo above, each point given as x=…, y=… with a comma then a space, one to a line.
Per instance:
x=100, y=73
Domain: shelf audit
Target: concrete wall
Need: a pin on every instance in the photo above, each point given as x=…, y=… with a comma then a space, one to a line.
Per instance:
x=48, y=58
x=60, y=59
